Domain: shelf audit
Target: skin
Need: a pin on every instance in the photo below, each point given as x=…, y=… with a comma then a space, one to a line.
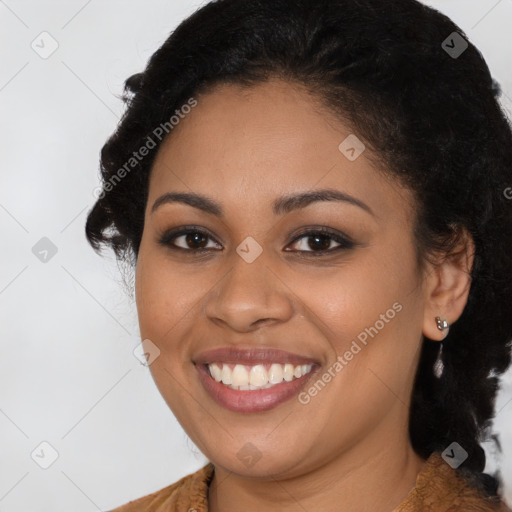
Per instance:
x=348, y=448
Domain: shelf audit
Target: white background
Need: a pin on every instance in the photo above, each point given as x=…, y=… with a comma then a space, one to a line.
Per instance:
x=67, y=372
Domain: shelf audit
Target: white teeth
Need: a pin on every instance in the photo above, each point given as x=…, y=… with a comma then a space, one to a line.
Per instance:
x=239, y=376
x=257, y=377
x=216, y=372
x=275, y=374
x=288, y=372
x=226, y=375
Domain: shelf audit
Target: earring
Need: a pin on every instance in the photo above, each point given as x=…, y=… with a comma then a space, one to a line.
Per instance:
x=438, y=365
x=441, y=324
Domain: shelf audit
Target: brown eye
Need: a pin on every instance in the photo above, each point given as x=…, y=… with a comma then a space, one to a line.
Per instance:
x=188, y=240
x=321, y=241
x=195, y=240
x=317, y=242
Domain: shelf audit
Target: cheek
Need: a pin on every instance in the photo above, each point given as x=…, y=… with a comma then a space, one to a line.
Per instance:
x=164, y=307
x=373, y=301
x=167, y=297
x=349, y=298
x=157, y=297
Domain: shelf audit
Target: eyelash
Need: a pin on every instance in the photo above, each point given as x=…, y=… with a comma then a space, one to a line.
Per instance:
x=170, y=236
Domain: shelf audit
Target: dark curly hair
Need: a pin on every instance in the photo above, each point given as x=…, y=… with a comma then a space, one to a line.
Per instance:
x=431, y=117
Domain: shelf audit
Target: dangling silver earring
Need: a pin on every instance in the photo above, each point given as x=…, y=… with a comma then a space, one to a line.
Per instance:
x=438, y=365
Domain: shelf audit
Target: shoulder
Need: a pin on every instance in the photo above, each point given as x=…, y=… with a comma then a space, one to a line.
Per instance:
x=190, y=492
x=441, y=488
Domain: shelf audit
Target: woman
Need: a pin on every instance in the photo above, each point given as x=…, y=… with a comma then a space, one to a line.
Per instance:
x=312, y=194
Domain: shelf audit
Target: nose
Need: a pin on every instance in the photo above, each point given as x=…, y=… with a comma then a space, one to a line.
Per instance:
x=248, y=296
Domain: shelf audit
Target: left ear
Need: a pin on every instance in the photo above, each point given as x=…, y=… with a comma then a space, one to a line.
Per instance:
x=447, y=285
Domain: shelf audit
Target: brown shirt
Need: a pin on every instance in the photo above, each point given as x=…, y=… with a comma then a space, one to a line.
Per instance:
x=439, y=488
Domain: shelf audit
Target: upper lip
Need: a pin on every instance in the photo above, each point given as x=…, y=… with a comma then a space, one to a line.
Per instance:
x=251, y=356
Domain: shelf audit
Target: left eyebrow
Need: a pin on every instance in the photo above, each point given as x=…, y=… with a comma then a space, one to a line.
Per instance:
x=280, y=206
x=296, y=201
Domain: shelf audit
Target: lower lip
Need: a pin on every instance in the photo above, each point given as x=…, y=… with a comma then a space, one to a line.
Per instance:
x=251, y=400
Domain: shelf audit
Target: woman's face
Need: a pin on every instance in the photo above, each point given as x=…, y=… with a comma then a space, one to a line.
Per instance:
x=353, y=310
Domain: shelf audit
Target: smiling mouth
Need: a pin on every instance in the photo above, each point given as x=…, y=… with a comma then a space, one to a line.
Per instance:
x=253, y=379
x=243, y=397
x=244, y=377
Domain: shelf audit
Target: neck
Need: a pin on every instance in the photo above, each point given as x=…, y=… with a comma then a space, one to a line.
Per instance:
x=355, y=482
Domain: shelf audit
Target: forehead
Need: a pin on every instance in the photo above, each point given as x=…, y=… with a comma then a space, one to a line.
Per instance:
x=261, y=142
